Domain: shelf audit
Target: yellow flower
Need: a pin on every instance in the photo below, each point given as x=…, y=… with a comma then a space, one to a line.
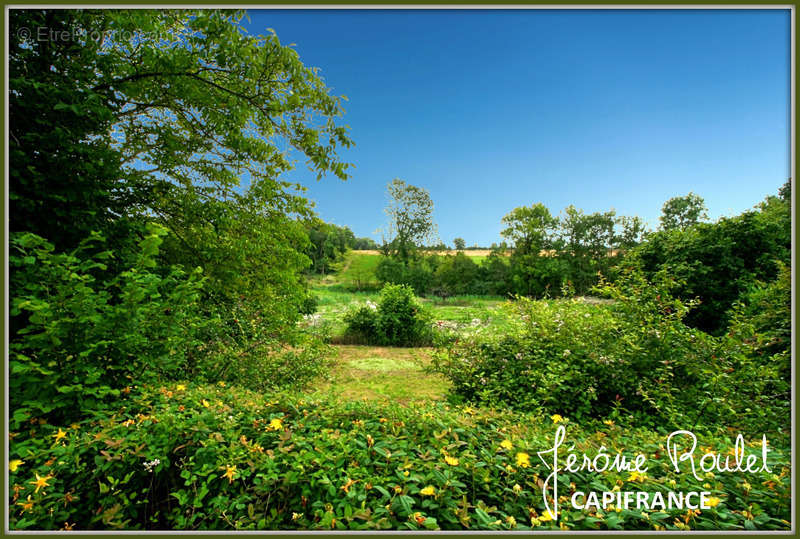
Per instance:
x=556, y=418
x=608, y=422
x=636, y=476
x=713, y=501
x=346, y=486
x=27, y=505
x=516, y=488
x=547, y=516
x=14, y=464
x=229, y=471
x=428, y=491
x=452, y=461
x=535, y=521
x=511, y=521
x=221, y=383
x=523, y=460
x=180, y=387
x=297, y=516
x=205, y=403
x=60, y=434
x=275, y=424
x=507, y=445
x=40, y=482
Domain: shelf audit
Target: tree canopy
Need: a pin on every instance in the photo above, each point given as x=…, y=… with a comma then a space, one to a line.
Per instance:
x=683, y=212
x=176, y=117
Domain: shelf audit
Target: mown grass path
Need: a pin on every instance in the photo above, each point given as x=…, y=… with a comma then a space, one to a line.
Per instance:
x=379, y=373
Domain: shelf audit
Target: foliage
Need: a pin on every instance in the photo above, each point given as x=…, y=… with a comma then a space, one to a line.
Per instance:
x=329, y=243
x=398, y=319
x=63, y=177
x=679, y=213
x=199, y=457
x=416, y=273
x=268, y=364
x=459, y=244
x=588, y=361
x=411, y=225
x=179, y=117
x=87, y=338
x=531, y=229
x=571, y=250
x=456, y=275
x=717, y=262
x=758, y=348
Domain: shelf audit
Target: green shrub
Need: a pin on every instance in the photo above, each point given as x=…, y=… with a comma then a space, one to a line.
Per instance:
x=718, y=262
x=397, y=320
x=269, y=364
x=199, y=457
x=82, y=338
x=309, y=304
x=457, y=275
x=586, y=361
x=757, y=348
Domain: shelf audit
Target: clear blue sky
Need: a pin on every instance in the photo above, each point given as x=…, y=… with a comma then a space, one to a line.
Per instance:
x=490, y=110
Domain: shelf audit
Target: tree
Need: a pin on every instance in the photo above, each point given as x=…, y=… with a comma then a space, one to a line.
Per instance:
x=178, y=117
x=720, y=262
x=411, y=225
x=683, y=212
x=530, y=228
x=459, y=244
x=633, y=230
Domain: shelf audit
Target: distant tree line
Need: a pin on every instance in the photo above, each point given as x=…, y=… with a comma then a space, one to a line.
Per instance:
x=546, y=255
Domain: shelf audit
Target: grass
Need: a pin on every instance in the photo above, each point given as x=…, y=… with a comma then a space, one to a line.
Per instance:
x=376, y=373
x=391, y=373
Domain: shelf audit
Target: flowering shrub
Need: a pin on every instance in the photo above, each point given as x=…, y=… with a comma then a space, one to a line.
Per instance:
x=86, y=336
x=398, y=319
x=596, y=361
x=197, y=457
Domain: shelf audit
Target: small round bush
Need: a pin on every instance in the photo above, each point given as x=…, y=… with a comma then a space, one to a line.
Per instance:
x=397, y=320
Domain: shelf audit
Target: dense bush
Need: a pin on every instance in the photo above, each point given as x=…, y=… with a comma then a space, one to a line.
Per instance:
x=717, y=262
x=757, y=348
x=86, y=338
x=185, y=456
x=416, y=273
x=457, y=275
x=587, y=361
x=397, y=320
x=89, y=335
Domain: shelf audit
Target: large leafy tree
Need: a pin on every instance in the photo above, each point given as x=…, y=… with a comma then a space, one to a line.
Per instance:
x=179, y=117
x=530, y=228
x=65, y=176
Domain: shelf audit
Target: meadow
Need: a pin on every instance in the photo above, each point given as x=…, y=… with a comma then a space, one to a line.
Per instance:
x=393, y=437
x=191, y=347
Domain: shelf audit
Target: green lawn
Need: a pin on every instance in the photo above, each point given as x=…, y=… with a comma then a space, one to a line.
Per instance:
x=376, y=373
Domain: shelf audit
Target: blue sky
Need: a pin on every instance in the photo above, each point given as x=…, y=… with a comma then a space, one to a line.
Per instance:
x=494, y=109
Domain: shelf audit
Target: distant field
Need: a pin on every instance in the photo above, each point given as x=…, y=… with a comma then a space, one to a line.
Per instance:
x=482, y=253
